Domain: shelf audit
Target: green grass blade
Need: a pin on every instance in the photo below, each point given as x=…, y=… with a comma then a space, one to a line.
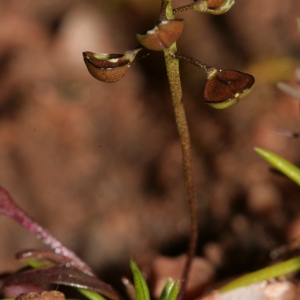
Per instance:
x=165, y=292
x=173, y=292
x=91, y=295
x=284, y=268
x=170, y=290
x=141, y=288
x=281, y=164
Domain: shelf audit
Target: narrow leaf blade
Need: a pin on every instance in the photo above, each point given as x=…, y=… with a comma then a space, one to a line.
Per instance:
x=281, y=164
x=9, y=208
x=141, y=288
x=165, y=292
x=91, y=295
x=284, y=268
x=173, y=292
x=170, y=290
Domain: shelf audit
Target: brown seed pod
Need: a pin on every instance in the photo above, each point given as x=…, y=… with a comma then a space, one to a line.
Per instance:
x=109, y=67
x=225, y=87
x=162, y=36
x=214, y=7
x=213, y=4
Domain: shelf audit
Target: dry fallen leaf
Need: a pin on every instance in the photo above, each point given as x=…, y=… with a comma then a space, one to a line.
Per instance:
x=51, y=295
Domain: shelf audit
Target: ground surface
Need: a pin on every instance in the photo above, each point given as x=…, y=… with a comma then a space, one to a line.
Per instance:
x=99, y=165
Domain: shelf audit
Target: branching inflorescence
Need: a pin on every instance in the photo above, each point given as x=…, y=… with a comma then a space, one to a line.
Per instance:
x=223, y=88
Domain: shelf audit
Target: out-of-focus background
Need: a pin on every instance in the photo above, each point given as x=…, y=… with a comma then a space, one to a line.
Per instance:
x=99, y=165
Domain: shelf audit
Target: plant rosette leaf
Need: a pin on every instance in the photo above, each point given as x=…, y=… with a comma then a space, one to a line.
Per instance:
x=141, y=288
x=287, y=168
x=170, y=290
x=61, y=275
x=173, y=291
x=9, y=208
x=166, y=289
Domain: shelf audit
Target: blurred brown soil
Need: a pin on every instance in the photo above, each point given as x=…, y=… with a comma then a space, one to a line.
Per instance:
x=99, y=165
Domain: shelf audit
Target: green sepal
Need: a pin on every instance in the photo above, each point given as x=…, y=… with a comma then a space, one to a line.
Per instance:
x=141, y=288
x=284, y=166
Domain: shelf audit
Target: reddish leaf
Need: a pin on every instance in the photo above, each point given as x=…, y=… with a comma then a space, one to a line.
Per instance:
x=9, y=208
x=64, y=276
x=45, y=255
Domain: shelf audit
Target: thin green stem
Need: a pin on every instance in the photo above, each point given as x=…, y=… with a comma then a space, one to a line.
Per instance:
x=172, y=65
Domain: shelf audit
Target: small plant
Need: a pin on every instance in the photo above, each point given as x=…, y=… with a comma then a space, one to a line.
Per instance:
x=223, y=88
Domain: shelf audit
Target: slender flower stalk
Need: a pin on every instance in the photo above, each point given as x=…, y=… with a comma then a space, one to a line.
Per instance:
x=183, y=8
x=214, y=7
x=172, y=65
x=223, y=88
x=209, y=71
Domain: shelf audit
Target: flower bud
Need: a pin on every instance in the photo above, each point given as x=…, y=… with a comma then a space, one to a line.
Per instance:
x=214, y=7
x=109, y=67
x=162, y=36
x=225, y=87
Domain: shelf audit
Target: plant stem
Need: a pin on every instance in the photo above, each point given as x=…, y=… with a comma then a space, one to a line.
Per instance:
x=172, y=65
x=183, y=8
x=209, y=71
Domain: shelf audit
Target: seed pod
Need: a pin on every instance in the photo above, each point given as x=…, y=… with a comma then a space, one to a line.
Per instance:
x=213, y=4
x=109, y=67
x=162, y=36
x=225, y=87
x=214, y=7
